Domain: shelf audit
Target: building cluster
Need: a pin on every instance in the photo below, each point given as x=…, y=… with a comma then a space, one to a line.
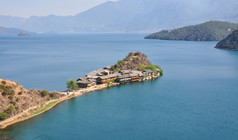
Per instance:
x=106, y=76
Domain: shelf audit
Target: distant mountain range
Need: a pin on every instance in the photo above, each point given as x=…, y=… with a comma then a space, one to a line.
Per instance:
x=230, y=42
x=131, y=16
x=209, y=31
x=13, y=31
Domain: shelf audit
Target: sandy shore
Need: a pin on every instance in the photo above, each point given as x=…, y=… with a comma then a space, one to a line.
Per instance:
x=31, y=112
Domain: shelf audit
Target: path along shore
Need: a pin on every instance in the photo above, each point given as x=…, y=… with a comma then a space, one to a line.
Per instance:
x=39, y=109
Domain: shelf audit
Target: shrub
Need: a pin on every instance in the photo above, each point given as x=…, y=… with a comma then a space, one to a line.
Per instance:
x=108, y=83
x=161, y=72
x=17, y=99
x=13, y=102
x=10, y=97
x=4, y=82
x=10, y=108
x=4, y=93
x=19, y=93
x=44, y=93
x=3, y=116
x=12, y=93
x=52, y=94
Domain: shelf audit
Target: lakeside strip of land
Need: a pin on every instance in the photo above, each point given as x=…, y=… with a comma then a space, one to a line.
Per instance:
x=32, y=112
x=35, y=110
x=134, y=68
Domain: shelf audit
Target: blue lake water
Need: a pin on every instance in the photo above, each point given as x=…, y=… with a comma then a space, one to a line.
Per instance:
x=196, y=99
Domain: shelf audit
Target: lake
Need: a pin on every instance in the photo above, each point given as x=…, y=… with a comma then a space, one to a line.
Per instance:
x=197, y=98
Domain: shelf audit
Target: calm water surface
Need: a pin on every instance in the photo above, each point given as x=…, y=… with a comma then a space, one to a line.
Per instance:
x=196, y=99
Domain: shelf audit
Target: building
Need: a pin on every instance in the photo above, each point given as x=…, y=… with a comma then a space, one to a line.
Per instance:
x=148, y=73
x=107, y=78
x=125, y=72
x=128, y=78
x=123, y=79
x=85, y=82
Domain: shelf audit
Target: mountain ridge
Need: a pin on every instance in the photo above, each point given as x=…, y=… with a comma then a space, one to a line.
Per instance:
x=130, y=16
x=13, y=31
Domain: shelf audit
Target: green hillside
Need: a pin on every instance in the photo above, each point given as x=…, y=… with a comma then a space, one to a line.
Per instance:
x=230, y=42
x=208, y=31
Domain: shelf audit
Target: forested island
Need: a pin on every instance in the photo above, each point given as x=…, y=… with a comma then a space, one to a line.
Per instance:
x=208, y=31
x=230, y=42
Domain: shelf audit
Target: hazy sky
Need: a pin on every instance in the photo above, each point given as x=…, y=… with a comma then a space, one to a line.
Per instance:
x=27, y=8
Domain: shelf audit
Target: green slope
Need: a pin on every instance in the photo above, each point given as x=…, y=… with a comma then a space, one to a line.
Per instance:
x=208, y=31
x=230, y=42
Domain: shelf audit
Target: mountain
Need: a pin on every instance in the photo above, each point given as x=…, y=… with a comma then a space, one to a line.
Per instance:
x=208, y=31
x=12, y=31
x=131, y=16
x=230, y=42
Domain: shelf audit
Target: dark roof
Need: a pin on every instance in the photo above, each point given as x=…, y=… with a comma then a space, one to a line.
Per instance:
x=124, y=76
x=107, y=67
x=149, y=71
x=83, y=82
x=82, y=78
x=136, y=72
x=125, y=71
x=109, y=76
x=127, y=76
x=94, y=73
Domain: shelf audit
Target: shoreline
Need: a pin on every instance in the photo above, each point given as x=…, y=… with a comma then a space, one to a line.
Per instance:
x=31, y=112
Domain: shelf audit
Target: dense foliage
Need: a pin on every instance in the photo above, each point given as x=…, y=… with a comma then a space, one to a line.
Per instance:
x=230, y=42
x=208, y=31
x=71, y=84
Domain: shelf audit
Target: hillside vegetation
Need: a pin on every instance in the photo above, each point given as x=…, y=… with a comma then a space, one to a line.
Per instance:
x=230, y=42
x=134, y=61
x=208, y=31
x=15, y=99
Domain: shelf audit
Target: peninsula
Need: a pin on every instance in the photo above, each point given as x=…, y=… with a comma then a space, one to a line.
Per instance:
x=208, y=31
x=19, y=104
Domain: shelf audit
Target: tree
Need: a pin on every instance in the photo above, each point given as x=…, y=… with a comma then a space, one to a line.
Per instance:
x=44, y=93
x=71, y=84
x=4, y=82
x=108, y=83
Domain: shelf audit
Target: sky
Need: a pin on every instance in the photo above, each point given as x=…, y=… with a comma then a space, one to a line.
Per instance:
x=27, y=8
